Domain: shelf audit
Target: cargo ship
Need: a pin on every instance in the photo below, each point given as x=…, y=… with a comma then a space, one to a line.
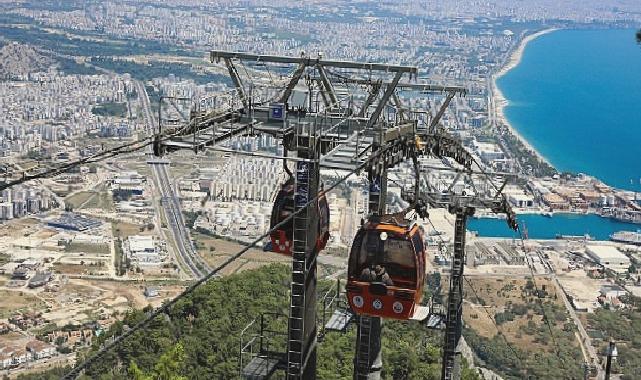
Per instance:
x=627, y=237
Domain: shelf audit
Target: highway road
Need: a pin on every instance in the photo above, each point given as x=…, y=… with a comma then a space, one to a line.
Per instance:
x=176, y=223
x=185, y=250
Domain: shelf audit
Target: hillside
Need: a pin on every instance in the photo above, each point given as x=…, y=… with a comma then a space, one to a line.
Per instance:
x=17, y=60
x=200, y=337
x=521, y=343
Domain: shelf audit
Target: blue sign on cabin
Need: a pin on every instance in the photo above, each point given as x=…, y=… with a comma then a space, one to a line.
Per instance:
x=277, y=111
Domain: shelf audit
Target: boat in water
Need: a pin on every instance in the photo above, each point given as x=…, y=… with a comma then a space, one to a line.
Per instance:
x=585, y=237
x=627, y=237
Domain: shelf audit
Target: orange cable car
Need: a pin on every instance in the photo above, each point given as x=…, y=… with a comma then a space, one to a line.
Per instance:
x=282, y=239
x=386, y=269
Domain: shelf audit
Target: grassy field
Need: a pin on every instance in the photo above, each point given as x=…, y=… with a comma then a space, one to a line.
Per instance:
x=102, y=200
x=141, y=167
x=69, y=268
x=123, y=230
x=14, y=301
x=78, y=199
x=91, y=199
x=214, y=251
x=87, y=248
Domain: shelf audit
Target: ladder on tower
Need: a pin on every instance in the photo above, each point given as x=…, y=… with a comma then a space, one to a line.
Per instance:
x=296, y=340
x=301, y=339
x=455, y=298
x=362, y=354
x=367, y=364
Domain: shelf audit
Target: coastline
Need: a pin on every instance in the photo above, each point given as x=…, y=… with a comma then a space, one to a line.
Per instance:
x=499, y=100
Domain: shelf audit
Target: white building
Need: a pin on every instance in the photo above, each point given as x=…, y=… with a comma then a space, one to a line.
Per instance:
x=144, y=250
x=40, y=350
x=128, y=178
x=612, y=291
x=609, y=257
x=520, y=200
x=488, y=151
x=6, y=210
x=5, y=360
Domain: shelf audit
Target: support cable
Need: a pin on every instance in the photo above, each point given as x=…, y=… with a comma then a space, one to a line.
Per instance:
x=126, y=148
x=536, y=288
x=491, y=317
x=130, y=147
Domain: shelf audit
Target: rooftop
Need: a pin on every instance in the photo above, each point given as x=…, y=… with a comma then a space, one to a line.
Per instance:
x=140, y=243
x=72, y=221
x=606, y=252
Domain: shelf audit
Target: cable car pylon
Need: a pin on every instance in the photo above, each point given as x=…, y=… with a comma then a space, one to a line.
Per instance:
x=386, y=270
x=453, y=322
x=463, y=206
x=368, y=358
x=331, y=134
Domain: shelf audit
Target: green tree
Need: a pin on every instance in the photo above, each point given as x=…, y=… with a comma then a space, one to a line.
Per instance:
x=169, y=366
x=136, y=373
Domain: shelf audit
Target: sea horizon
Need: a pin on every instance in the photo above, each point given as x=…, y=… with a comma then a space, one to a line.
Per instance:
x=573, y=95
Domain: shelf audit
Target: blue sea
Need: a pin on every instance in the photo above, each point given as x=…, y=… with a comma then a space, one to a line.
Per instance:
x=541, y=227
x=576, y=97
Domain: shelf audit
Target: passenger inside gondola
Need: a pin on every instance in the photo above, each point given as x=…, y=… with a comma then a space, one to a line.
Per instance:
x=385, y=257
x=376, y=273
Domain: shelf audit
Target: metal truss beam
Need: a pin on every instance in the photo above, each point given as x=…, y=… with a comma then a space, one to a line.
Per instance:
x=216, y=55
x=292, y=83
x=323, y=94
x=441, y=111
x=329, y=89
x=373, y=93
x=384, y=99
x=235, y=78
x=453, y=323
x=423, y=87
x=399, y=106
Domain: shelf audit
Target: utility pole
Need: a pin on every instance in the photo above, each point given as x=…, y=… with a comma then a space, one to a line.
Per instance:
x=612, y=354
x=463, y=206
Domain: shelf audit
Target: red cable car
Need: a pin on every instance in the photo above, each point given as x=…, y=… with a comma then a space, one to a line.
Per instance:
x=386, y=270
x=282, y=238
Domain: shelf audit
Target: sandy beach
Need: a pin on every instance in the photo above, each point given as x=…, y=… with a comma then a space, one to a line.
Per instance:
x=497, y=96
